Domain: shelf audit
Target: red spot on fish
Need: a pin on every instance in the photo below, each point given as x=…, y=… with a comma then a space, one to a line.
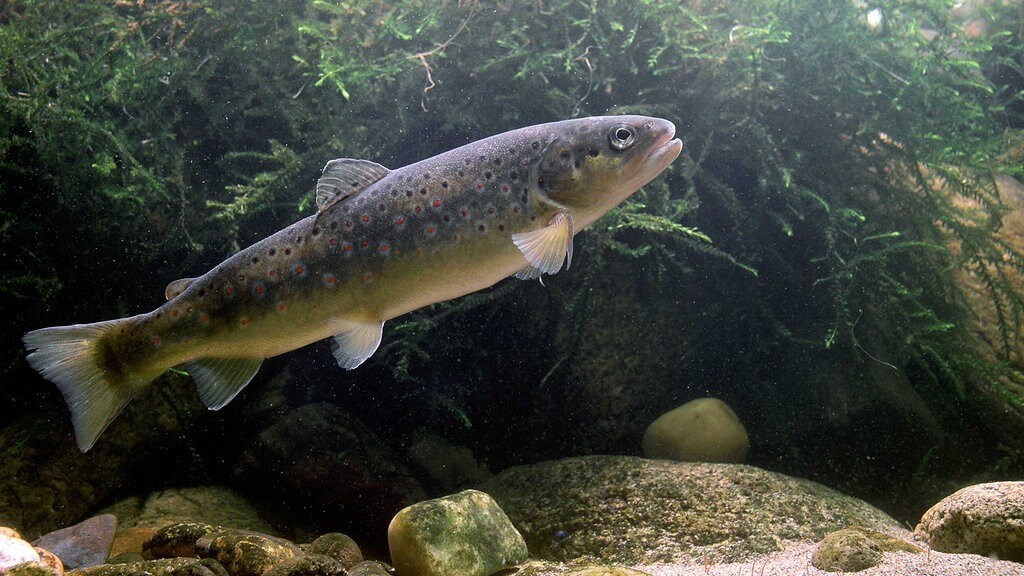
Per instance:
x=417, y=209
x=504, y=188
x=155, y=341
x=363, y=243
x=204, y=317
x=272, y=273
x=400, y=220
x=329, y=279
x=186, y=340
x=188, y=310
x=299, y=270
x=368, y=277
x=384, y=248
x=229, y=290
x=365, y=218
x=436, y=203
x=465, y=213
x=174, y=313
x=431, y=230
x=243, y=321
x=419, y=251
x=490, y=210
x=479, y=185
x=346, y=247
x=282, y=307
x=333, y=241
x=455, y=237
x=258, y=290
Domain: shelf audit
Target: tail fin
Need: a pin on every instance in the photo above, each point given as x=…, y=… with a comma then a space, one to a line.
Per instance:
x=79, y=360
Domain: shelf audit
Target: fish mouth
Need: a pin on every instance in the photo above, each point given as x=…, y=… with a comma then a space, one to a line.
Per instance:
x=667, y=147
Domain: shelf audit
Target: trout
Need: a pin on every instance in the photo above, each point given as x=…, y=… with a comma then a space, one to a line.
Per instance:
x=382, y=243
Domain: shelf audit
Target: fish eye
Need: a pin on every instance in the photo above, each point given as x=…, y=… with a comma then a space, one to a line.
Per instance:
x=621, y=137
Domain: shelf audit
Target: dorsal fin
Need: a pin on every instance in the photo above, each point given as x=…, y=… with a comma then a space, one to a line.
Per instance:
x=344, y=177
x=177, y=287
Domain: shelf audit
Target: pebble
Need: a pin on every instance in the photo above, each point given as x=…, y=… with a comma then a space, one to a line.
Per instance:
x=337, y=546
x=846, y=551
x=308, y=565
x=371, y=568
x=983, y=519
x=245, y=553
x=178, y=540
x=465, y=534
x=14, y=551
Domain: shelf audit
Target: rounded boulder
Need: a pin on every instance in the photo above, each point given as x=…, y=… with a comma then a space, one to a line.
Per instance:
x=702, y=430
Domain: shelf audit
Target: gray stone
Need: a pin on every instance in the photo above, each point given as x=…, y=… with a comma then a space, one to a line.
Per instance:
x=986, y=519
x=465, y=534
x=84, y=544
x=628, y=510
x=308, y=565
x=371, y=568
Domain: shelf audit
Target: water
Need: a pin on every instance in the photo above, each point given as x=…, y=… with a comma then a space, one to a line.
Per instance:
x=831, y=255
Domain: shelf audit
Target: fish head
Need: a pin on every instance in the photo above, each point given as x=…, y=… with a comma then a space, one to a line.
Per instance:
x=595, y=163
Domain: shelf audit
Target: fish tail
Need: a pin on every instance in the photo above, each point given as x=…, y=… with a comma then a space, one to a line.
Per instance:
x=83, y=362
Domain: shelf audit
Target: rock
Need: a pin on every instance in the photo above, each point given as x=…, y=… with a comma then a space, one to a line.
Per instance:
x=702, y=430
x=213, y=505
x=451, y=467
x=31, y=569
x=628, y=510
x=337, y=546
x=14, y=551
x=986, y=519
x=178, y=540
x=308, y=565
x=164, y=567
x=465, y=534
x=371, y=568
x=85, y=544
x=846, y=551
x=50, y=560
x=245, y=553
x=320, y=463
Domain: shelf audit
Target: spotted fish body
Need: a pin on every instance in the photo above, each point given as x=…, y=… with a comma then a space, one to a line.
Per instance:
x=383, y=243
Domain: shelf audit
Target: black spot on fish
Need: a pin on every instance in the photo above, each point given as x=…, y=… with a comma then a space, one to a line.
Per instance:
x=487, y=175
x=158, y=315
x=426, y=175
x=497, y=161
x=540, y=182
x=444, y=184
x=462, y=173
x=255, y=259
x=423, y=191
x=532, y=218
x=483, y=158
x=272, y=251
x=576, y=163
x=381, y=207
x=501, y=227
x=201, y=293
x=298, y=239
x=535, y=145
x=334, y=225
x=593, y=152
x=287, y=251
x=316, y=231
x=514, y=176
x=408, y=193
x=468, y=161
x=408, y=178
x=481, y=227
x=447, y=218
x=354, y=184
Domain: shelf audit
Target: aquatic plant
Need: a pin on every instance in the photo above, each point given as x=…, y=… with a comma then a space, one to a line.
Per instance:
x=831, y=163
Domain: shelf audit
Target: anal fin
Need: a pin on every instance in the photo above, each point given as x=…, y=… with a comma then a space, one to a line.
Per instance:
x=221, y=379
x=354, y=341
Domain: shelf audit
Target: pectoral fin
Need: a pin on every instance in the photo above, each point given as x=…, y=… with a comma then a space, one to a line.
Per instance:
x=344, y=177
x=545, y=249
x=354, y=341
x=221, y=379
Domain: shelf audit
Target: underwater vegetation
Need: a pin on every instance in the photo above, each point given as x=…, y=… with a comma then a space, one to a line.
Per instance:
x=801, y=259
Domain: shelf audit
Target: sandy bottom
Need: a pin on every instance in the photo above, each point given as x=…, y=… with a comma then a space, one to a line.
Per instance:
x=796, y=561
